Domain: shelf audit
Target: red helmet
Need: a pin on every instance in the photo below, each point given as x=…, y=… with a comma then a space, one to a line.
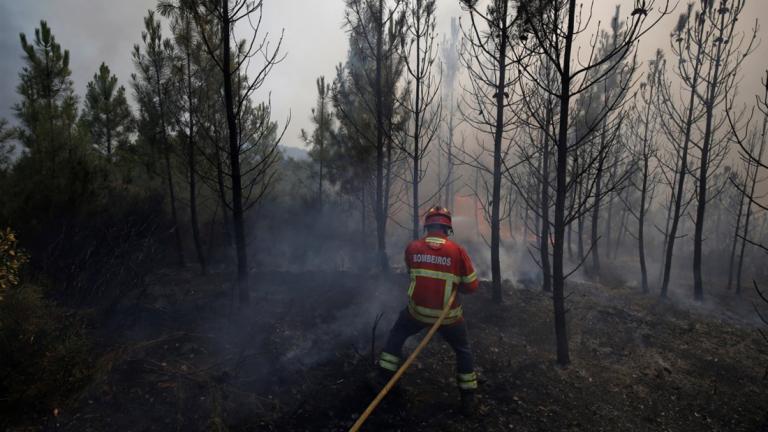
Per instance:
x=438, y=215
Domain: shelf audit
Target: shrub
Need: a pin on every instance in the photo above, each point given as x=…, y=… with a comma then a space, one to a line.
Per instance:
x=45, y=352
x=11, y=261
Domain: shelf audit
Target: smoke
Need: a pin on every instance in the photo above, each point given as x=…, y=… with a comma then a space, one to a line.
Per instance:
x=300, y=320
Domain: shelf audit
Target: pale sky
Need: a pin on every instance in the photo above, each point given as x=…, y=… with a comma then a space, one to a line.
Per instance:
x=106, y=30
x=315, y=42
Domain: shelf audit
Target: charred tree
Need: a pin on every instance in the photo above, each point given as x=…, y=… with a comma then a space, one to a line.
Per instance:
x=723, y=58
x=251, y=150
x=557, y=46
x=734, y=178
x=376, y=30
x=187, y=45
x=423, y=106
x=689, y=71
x=450, y=61
x=643, y=128
x=751, y=149
x=487, y=57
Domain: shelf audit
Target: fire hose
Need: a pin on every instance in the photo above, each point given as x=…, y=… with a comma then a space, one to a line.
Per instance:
x=396, y=377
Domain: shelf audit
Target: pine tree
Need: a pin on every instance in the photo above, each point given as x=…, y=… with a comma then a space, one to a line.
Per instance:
x=322, y=118
x=7, y=134
x=374, y=71
x=153, y=87
x=48, y=106
x=106, y=113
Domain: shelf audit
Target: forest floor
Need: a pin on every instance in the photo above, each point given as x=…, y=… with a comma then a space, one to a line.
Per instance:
x=297, y=358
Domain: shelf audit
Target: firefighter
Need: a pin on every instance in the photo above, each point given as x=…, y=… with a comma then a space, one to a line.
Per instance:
x=437, y=266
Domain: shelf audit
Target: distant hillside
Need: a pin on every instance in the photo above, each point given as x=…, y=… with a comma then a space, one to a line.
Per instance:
x=294, y=152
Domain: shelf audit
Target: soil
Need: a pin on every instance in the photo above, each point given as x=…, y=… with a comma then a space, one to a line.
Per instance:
x=297, y=359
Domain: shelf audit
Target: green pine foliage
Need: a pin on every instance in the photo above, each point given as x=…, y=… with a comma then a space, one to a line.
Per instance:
x=106, y=113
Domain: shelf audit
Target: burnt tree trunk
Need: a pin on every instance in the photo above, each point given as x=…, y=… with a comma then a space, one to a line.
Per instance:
x=416, y=149
x=747, y=217
x=678, y=194
x=546, y=271
x=735, y=242
x=558, y=273
x=380, y=211
x=596, y=209
x=698, y=238
x=496, y=197
x=168, y=170
x=234, y=161
x=641, y=219
x=191, y=161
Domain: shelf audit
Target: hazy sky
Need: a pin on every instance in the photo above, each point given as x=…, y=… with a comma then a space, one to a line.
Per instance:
x=106, y=30
x=315, y=41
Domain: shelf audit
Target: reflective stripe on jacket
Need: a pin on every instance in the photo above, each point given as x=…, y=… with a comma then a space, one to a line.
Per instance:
x=437, y=266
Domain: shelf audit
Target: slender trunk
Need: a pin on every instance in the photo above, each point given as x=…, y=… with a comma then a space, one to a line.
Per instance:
x=668, y=219
x=379, y=97
x=609, y=220
x=622, y=227
x=174, y=214
x=573, y=197
x=496, y=204
x=388, y=167
x=449, y=177
x=580, y=238
x=596, y=209
x=544, y=239
x=670, y=211
x=744, y=242
x=535, y=215
x=647, y=154
x=321, y=144
x=191, y=165
x=678, y=194
x=478, y=204
x=234, y=161
x=510, y=224
x=211, y=228
x=168, y=171
x=108, y=122
x=754, y=182
x=558, y=274
x=641, y=219
x=735, y=242
x=416, y=133
x=580, y=225
x=644, y=192
x=193, y=204
x=221, y=189
x=698, y=239
x=363, y=227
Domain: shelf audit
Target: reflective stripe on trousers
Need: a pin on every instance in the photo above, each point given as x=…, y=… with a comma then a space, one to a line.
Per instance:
x=467, y=381
x=389, y=361
x=456, y=336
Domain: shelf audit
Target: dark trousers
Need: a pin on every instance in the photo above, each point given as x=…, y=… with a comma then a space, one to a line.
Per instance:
x=455, y=335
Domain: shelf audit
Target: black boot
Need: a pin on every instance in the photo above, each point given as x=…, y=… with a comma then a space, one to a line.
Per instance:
x=378, y=379
x=469, y=404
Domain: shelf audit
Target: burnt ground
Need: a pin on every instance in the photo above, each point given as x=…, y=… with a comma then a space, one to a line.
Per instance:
x=297, y=358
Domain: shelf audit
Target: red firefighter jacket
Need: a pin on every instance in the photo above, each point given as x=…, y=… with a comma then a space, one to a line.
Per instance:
x=437, y=266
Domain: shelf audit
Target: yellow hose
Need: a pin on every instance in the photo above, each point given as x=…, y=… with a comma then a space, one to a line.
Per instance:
x=392, y=381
